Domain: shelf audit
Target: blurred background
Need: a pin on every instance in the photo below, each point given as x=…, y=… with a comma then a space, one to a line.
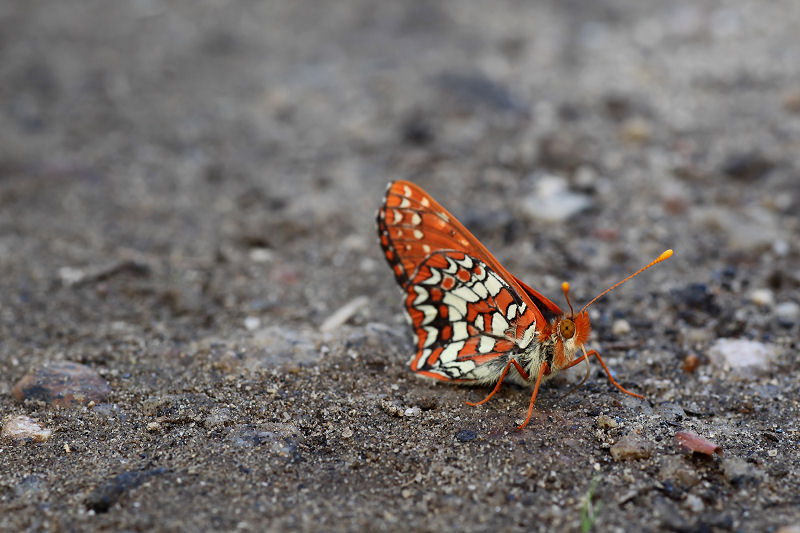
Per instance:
x=178, y=172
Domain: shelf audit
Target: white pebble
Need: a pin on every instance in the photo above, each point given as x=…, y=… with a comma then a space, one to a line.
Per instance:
x=762, y=297
x=694, y=503
x=781, y=248
x=252, y=323
x=744, y=357
x=412, y=411
x=23, y=428
x=621, y=327
x=788, y=311
x=552, y=201
x=261, y=255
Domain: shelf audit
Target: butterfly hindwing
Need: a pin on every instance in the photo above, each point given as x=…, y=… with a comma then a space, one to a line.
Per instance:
x=468, y=313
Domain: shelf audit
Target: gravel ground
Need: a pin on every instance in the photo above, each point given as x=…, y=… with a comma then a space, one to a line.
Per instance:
x=187, y=196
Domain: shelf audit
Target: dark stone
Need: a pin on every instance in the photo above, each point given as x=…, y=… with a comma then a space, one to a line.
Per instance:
x=62, y=383
x=106, y=495
x=466, y=435
x=416, y=130
x=747, y=166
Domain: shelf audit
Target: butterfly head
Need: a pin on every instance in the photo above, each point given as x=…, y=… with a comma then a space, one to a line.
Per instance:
x=569, y=333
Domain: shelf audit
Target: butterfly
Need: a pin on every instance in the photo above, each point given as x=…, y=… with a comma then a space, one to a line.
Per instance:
x=474, y=322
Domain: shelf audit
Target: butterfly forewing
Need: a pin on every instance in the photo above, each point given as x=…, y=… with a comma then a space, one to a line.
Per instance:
x=468, y=313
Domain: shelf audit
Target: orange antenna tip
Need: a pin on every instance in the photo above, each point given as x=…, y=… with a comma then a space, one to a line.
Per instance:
x=565, y=289
x=666, y=254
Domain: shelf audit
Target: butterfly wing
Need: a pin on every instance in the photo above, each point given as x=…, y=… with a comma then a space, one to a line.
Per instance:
x=469, y=314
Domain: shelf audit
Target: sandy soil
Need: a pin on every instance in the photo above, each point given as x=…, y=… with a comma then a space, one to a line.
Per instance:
x=187, y=194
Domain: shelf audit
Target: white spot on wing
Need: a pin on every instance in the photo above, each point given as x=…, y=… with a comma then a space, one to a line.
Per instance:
x=466, y=262
x=405, y=203
x=416, y=220
x=406, y=190
x=426, y=248
x=430, y=313
x=450, y=353
x=460, y=331
x=499, y=325
x=398, y=216
x=478, y=322
x=455, y=304
x=422, y=295
x=424, y=202
x=465, y=293
x=493, y=284
x=527, y=336
x=486, y=344
x=455, y=313
x=435, y=278
x=433, y=334
x=480, y=290
x=418, y=234
x=511, y=312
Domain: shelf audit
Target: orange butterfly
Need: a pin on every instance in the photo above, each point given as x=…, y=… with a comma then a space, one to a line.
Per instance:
x=472, y=319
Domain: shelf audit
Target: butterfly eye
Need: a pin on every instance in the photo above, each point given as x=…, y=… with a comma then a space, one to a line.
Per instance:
x=567, y=328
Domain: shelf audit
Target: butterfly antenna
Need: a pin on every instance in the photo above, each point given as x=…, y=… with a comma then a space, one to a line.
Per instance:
x=666, y=254
x=565, y=289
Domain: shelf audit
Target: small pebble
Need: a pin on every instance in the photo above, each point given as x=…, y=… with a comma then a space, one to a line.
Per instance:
x=690, y=363
x=552, y=201
x=347, y=433
x=105, y=495
x=788, y=312
x=670, y=411
x=466, y=435
x=412, y=411
x=252, y=323
x=631, y=446
x=738, y=472
x=63, y=384
x=781, y=248
x=762, y=297
x=261, y=255
x=621, y=327
x=70, y=276
x=747, y=166
x=694, y=503
x=606, y=422
x=675, y=468
x=741, y=356
x=153, y=426
x=24, y=428
x=636, y=130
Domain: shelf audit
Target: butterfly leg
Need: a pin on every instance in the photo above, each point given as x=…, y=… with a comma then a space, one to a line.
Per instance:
x=500, y=381
x=608, y=372
x=544, y=369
